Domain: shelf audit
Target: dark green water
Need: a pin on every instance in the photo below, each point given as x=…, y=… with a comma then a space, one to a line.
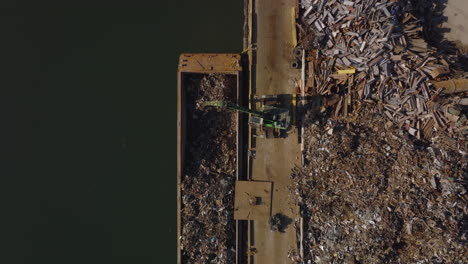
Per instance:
x=88, y=114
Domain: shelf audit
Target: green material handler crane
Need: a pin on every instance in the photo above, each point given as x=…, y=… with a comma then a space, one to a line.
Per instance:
x=265, y=117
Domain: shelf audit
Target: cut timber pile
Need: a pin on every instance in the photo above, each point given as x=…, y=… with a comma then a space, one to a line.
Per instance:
x=385, y=171
x=207, y=186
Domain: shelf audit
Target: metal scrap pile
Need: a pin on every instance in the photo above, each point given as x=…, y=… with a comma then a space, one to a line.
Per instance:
x=207, y=186
x=385, y=177
x=368, y=194
x=369, y=51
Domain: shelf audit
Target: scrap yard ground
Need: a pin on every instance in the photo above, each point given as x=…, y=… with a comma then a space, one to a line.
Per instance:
x=383, y=170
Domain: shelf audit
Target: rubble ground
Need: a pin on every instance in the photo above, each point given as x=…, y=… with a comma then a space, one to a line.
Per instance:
x=207, y=184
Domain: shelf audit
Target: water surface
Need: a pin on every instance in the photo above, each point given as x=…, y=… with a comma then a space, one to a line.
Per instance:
x=90, y=170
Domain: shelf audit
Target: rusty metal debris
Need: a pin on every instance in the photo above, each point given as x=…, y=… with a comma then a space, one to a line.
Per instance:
x=207, y=186
x=384, y=175
x=275, y=222
x=368, y=194
x=278, y=222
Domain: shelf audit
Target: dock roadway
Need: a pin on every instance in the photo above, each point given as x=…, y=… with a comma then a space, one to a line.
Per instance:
x=273, y=35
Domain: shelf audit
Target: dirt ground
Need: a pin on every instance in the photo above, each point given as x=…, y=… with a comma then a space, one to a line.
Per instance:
x=208, y=227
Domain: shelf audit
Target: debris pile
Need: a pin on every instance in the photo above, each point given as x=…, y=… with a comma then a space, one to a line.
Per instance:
x=207, y=184
x=275, y=222
x=377, y=52
x=278, y=222
x=369, y=194
x=385, y=171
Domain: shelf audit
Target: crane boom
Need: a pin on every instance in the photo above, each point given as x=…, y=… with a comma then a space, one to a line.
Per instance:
x=267, y=116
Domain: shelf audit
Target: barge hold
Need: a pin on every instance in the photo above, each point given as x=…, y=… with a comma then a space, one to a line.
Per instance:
x=209, y=160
